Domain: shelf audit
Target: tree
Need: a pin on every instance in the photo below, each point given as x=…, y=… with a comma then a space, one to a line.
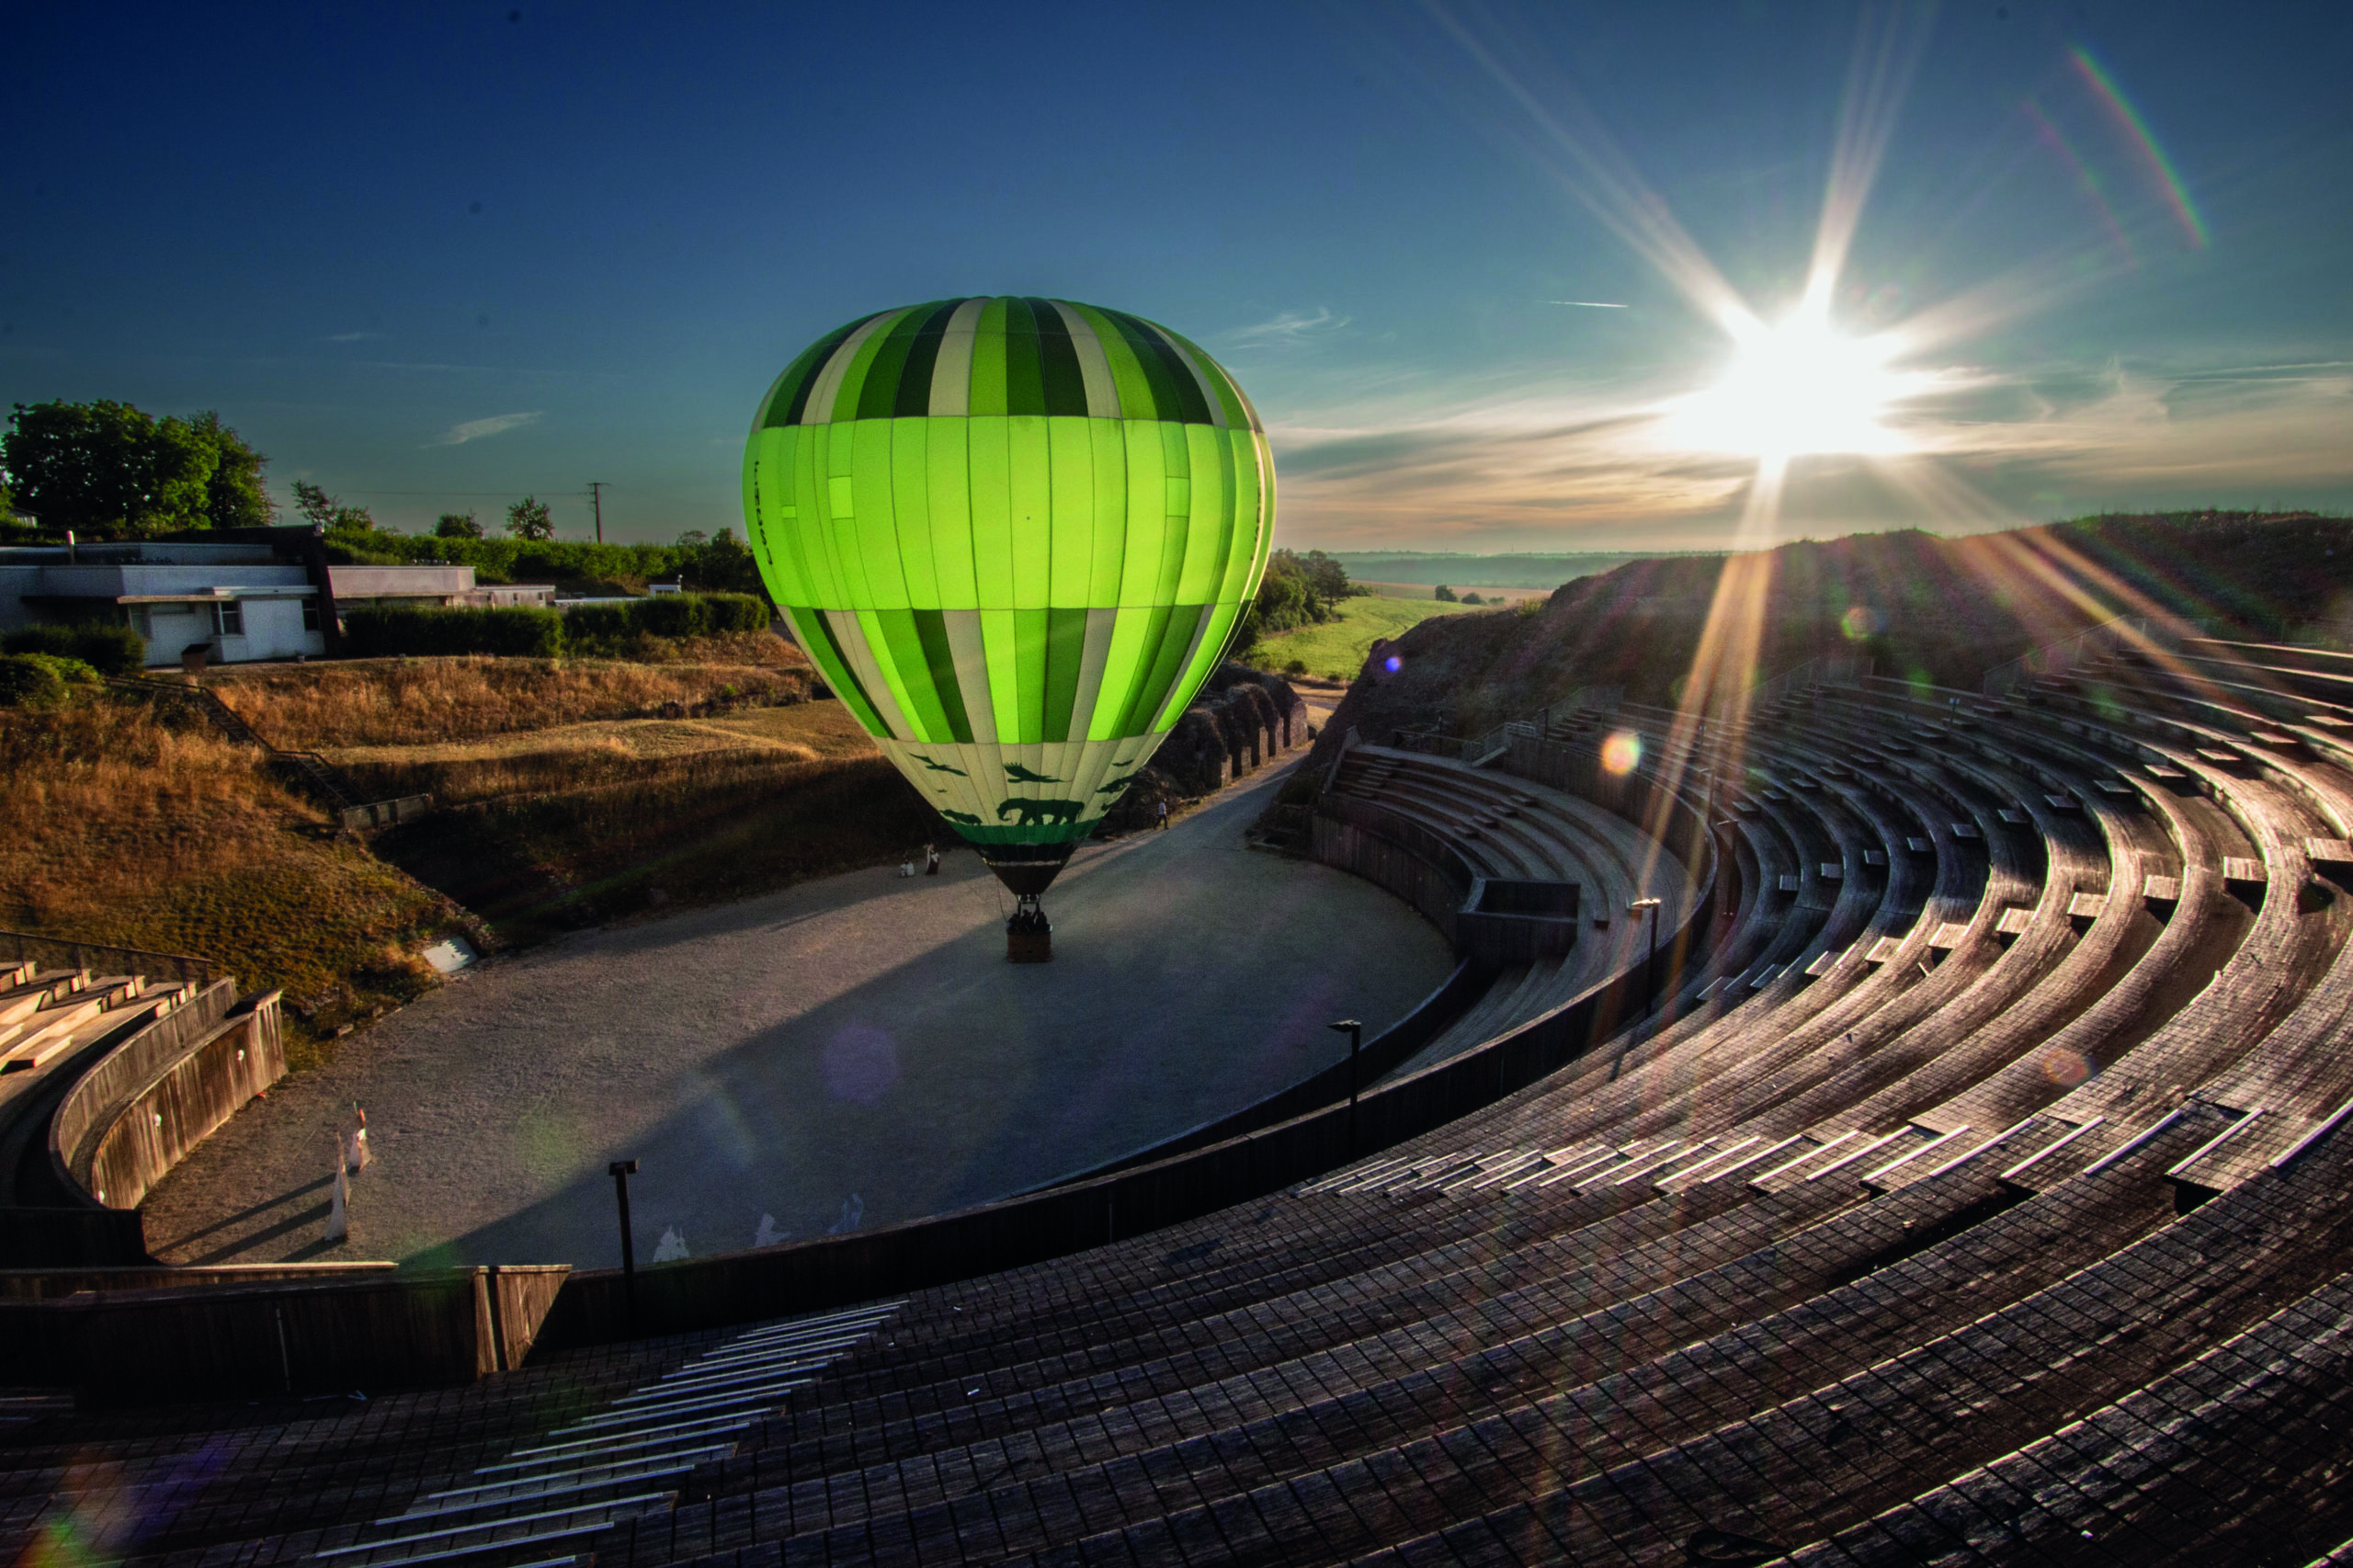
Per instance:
x=724, y=565
x=458, y=524
x=1445, y=594
x=234, y=496
x=1473, y=600
x=528, y=519
x=328, y=513
x=107, y=470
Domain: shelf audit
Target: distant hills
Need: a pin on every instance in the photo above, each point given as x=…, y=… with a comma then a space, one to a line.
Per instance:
x=1923, y=607
x=1522, y=571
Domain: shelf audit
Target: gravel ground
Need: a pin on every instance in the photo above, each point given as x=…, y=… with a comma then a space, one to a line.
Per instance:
x=851, y=1051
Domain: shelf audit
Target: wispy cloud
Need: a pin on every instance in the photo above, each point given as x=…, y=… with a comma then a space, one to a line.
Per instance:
x=1587, y=304
x=1535, y=468
x=476, y=429
x=1290, y=329
x=352, y=337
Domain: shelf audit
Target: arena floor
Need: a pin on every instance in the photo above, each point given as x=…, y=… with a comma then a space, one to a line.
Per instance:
x=854, y=1050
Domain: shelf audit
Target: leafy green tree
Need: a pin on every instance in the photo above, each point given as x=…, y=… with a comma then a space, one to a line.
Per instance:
x=1445, y=594
x=234, y=496
x=107, y=470
x=316, y=505
x=458, y=524
x=722, y=565
x=528, y=519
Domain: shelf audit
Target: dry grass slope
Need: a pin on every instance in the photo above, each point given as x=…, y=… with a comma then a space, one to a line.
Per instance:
x=128, y=826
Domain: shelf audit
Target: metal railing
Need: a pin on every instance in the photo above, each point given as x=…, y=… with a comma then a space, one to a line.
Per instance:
x=2088, y=646
x=18, y=947
x=326, y=781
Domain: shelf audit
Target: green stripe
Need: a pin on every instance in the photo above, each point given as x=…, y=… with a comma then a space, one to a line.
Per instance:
x=931, y=628
x=1065, y=384
x=1138, y=672
x=1192, y=407
x=860, y=366
x=923, y=358
x=1167, y=663
x=1127, y=375
x=790, y=395
x=987, y=395
x=835, y=665
x=877, y=398
x=1065, y=652
x=1165, y=401
x=1238, y=411
x=1025, y=384
x=908, y=660
x=1029, y=674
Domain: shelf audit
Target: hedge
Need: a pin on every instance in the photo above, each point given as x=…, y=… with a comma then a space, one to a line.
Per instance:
x=521, y=631
x=515, y=631
x=109, y=650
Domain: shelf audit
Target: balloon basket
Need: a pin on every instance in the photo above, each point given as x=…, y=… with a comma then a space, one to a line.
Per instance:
x=1029, y=936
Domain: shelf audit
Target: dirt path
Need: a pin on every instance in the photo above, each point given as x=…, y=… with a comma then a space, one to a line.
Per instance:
x=852, y=1051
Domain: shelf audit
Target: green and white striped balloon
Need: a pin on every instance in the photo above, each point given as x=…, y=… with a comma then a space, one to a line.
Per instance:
x=1015, y=535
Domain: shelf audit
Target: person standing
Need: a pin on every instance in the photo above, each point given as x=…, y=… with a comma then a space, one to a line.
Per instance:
x=1163, y=809
x=931, y=859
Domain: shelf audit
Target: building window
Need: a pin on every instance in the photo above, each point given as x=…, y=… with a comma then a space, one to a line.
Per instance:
x=310, y=615
x=228, y=618
x=139, y=620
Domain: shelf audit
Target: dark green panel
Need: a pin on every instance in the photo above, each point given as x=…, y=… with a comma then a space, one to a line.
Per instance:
x=880, y=395
x=923, y=358
x=1193, y=403
x=792, y=391
x=1066, y=654
x=1025, y=384
x=835, y=665
x=1167, y=665
x=1166, y=404
x=931, y=625
x=1058, y=368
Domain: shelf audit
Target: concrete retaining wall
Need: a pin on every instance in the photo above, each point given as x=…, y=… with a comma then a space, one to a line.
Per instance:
x=161, y=1093
x=298, y=1337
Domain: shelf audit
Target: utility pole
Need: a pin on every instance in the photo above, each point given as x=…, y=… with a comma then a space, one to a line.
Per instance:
x=596, y=488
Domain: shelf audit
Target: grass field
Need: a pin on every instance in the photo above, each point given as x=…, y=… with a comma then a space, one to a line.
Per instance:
x=1337, y=648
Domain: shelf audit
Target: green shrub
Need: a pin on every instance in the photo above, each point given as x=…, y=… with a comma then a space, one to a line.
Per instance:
x=31, y=680
x=514, y=632
x=109, y=650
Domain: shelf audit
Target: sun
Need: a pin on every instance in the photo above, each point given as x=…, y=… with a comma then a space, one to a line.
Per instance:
x=1795, y=387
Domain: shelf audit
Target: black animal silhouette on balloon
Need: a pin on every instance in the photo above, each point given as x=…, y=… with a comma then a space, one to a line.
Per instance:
x=1034, y=814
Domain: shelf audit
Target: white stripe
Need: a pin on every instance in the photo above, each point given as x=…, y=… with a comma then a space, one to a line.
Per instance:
x=1099, y=625
x=971, y=672
x=951, y=372
x=851, y=635
x=1093, y=365
x=819, y=410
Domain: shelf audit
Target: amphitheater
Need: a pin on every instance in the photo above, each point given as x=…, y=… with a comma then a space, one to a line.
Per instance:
x=1962, y=1182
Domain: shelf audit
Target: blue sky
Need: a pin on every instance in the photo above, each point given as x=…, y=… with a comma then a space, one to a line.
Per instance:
x=433, y=258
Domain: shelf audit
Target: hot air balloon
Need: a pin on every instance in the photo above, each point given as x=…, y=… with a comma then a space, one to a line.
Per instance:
x=1015, y=535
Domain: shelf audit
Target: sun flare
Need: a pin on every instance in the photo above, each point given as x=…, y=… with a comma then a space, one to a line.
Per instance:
x=1794, y=387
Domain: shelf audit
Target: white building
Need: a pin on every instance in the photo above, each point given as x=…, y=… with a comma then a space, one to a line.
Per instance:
x=258, y=594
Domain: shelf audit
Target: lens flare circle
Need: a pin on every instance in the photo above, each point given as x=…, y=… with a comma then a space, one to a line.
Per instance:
x=1622, y=752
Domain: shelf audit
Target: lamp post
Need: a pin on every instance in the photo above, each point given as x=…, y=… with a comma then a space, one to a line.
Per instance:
x=1650, y=964
x=1354, y=1031
x=620, y=1171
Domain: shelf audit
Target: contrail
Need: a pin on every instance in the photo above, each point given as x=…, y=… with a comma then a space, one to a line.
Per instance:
x=1587, y=304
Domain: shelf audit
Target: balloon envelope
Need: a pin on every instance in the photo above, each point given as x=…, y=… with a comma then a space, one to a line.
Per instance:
x=1015, y=535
